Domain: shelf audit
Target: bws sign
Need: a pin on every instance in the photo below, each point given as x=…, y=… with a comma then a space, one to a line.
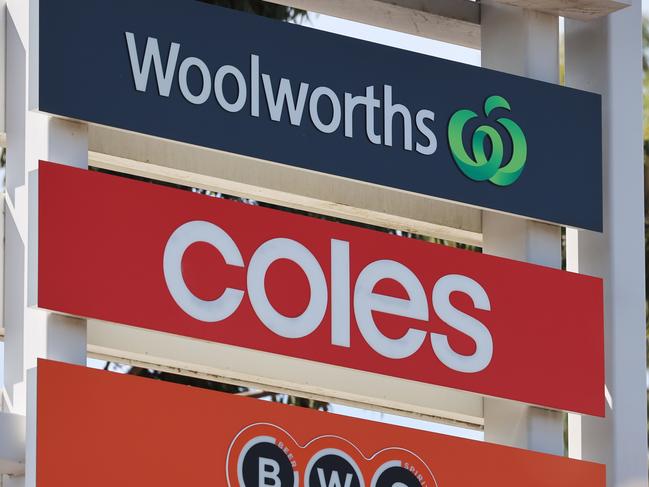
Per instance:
x=176, y=435
x=264, y=454
x=243, y=84
x=263, y=279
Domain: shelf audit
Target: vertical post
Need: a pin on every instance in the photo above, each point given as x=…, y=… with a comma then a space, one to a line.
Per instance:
x=31, y=333
x=604, y=56
x=526, y=43
x=3, y=45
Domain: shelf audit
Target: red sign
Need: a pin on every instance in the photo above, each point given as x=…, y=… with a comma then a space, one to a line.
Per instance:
x=174, y=261
x=101, y=429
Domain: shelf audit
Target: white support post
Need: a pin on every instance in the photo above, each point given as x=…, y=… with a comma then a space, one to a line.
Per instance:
x=604, y=57
x=507, y=422
x=31, y=333
x=3, y=51
x=526, y=43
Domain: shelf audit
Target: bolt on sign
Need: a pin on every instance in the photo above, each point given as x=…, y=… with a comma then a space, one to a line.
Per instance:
x=243, y=84
x=174, y=261
x=166, y=434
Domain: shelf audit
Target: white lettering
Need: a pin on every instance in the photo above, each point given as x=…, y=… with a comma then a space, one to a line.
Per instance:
x=333, y=125
x=285, y=95
x=366, y=301
x=254, y=85
x=462, y=322
x=241, y=88
x=340, y=287
x=184, y=236
x=184, y=87
x=334, y=480
x=165, y=76
x=310, y=319
x=266, y=475
x=390, y=111
x=422, y=116
x=370, y=103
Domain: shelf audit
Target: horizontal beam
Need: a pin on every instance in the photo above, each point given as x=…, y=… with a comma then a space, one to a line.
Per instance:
x=426, y=402
x=454, y=21
x=277, y=373
x=247, y=177
x=572, y=9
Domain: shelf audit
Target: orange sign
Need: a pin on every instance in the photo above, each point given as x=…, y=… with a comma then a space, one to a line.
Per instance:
x=104, y=429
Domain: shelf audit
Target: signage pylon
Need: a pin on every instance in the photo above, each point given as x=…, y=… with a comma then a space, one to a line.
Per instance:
x=601, y=56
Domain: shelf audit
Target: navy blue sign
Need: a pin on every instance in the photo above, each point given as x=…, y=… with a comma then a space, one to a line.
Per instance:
x=218, y=78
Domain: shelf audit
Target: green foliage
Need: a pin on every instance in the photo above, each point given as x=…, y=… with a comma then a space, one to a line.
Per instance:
x=645, y=84
x=645, y=99
x=219, y=386
x=184, y=380
x=259, y=7
x=300, y=402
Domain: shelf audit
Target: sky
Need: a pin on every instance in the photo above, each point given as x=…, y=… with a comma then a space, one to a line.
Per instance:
x=413, y=43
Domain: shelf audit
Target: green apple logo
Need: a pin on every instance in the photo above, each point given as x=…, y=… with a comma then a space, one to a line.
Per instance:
x=482, y=167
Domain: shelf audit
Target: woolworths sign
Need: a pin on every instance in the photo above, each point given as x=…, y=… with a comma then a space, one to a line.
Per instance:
x=226, y=80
